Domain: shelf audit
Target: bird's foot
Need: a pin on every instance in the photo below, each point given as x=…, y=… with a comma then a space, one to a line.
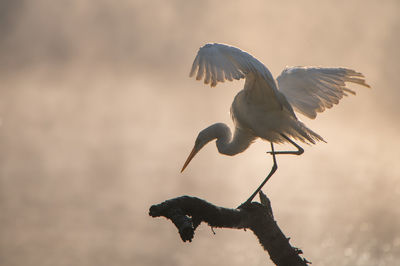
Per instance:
x=245, y=205
x=286, y=152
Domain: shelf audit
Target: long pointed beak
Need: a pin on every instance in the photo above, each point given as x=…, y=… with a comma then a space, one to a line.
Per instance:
x=190, y=157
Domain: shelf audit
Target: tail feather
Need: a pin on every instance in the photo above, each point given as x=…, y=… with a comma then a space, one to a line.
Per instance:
x=304, y=134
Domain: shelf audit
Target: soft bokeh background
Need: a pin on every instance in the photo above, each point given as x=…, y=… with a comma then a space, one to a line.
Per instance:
x=98, y=115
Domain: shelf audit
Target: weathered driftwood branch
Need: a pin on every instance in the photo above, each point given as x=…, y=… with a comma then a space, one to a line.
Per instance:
x=188, y=212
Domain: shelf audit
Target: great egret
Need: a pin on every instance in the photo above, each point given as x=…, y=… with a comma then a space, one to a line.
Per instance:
x=264, y=109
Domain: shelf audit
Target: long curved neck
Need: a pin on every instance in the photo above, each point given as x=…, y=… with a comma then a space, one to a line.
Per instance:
x=226, y=144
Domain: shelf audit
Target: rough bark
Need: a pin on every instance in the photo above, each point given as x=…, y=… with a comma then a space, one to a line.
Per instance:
x=188, y=212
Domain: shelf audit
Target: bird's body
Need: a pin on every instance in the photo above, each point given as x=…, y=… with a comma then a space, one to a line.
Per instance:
x=268, y=116
x=265, y=109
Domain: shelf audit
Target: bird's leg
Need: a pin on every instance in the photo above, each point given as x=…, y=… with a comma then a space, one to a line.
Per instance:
x=274, y=167
x=299, y=151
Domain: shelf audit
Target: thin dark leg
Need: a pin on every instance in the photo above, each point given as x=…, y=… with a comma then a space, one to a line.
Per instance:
x=299, y=151
x=274, y=167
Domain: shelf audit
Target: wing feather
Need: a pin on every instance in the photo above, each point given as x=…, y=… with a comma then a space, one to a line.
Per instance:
x=201, y=65
x=195, y=65
x=208, y=73
x=311, y=90
x=220, y=75
x=219, y=62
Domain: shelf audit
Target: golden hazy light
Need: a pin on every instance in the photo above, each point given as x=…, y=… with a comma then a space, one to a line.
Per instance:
x=97, y=114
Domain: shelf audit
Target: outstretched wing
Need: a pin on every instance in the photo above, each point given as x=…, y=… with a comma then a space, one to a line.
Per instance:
x=219, y=62
x=313, y=89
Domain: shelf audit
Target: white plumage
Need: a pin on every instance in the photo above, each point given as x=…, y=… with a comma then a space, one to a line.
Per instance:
x=264, y=109
x=313, y=89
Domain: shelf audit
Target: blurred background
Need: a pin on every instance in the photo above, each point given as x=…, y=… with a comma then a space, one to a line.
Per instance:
x=97, y=116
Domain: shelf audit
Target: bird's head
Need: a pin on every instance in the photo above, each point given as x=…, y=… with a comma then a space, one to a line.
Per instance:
x=218, y=131
x=202, y=139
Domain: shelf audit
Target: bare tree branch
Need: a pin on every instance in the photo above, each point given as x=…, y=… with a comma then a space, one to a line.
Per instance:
x=188, y=212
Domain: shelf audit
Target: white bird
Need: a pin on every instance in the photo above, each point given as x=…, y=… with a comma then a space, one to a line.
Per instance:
x=264, y=108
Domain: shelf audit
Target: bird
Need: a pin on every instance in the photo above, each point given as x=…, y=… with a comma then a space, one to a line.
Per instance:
x=265, y=108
